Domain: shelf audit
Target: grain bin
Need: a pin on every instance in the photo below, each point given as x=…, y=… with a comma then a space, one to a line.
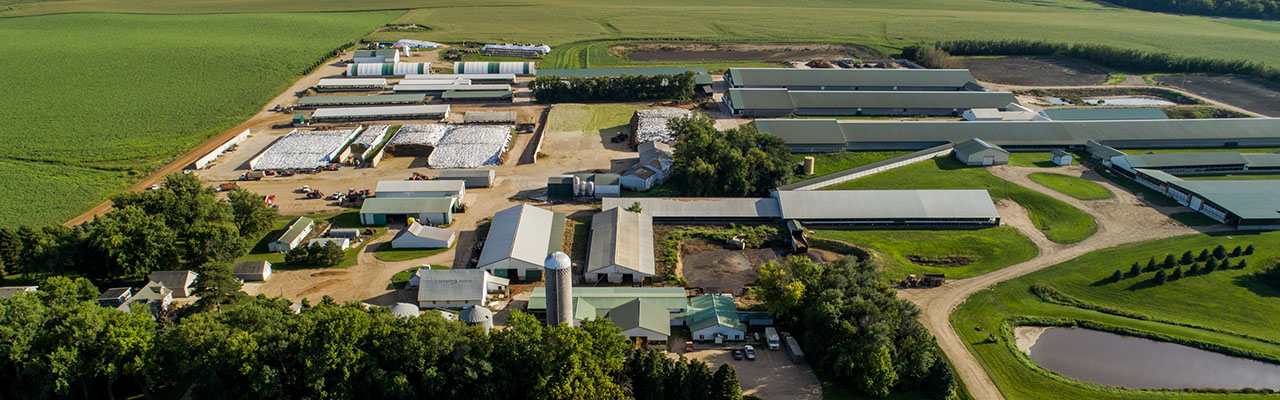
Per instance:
x=808, y=165
x=519, y=68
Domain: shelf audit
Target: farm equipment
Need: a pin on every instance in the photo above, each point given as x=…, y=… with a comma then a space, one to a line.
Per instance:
x=418, y=177
x=270, y=200
x=525, y=128
x=305, y=189
x=619, y=138
x=315, y=194
x=284, y=173
x=227, y=186
x=252, y=176
x=930, y=280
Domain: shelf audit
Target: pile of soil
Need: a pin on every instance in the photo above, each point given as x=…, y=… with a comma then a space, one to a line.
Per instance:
x=718, y=269
x=952, y=261
x=1035, y=71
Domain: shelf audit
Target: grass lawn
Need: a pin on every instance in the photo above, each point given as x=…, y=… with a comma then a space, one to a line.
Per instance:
x=401, y=279
x=384, y=252
x=580, y=246
x=1059, y=221
x=1040, y=159
x=1143, y=192
x=22, y=280
x=116, y=100
x=591, y=119
x=956, y=253
x=341, y=219
x=666, y=189
x=829, y=163
x=1193, y=218
x=1078, y=188
x=1225, y=307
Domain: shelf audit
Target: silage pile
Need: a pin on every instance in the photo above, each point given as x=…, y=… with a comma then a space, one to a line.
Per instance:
x=471, y=146
x=416, y=140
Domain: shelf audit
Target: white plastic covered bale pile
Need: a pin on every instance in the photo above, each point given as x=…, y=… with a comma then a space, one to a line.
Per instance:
x=651, y=125
x=365, y=142
x=471, y=146
x=304, y=150
x=415, y=140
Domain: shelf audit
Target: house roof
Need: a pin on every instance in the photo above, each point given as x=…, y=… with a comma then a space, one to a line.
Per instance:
x=454, y=284
x=640, y=313
x=1059, y=153
x=115, y=293
x=251, y=267
x=700, y=74
x=1004, y=133
x=621, y=238
x=174, y=279
x=784, y=99
x=1168, y=160
x=9, y=291
x=369, y=99
x=296, y=228
x=523, y=232
x=1253, y=199
x=438, y=185
x=802, y=77
x=975, y=145
x=706, y=207
x=713, y=309
x=671, y=298
x=1102, y=113
x=407, y=205
x=886, y=204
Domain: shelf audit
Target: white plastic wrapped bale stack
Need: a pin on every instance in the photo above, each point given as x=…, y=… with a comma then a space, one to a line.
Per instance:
x=303, y=150
x=366, y=140
x=415, y=140
x=651, y=125
x=471, y=146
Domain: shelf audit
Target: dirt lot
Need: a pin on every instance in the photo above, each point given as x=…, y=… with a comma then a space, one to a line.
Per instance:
x=1244, y=93
x=1034, y=71
x=695, y=51
x=717, y=269
x=771, y=375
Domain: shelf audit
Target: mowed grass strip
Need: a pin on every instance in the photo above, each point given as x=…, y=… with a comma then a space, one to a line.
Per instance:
x=1229, y=300
x=830, y=163
x=1078, y=188
x=1059, y=221
x=956, y=253
x=591, y=119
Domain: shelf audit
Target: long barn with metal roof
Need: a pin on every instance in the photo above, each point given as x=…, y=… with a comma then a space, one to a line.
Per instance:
x=775, y=102
x=969, y=208
x=1244, y=204
x=519, y=240
x=829, y=135
x=370, y=100
x=853, y=79
x=621, y=247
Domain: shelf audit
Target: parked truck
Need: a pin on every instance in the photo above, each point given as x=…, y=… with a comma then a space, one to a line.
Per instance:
x=771, y=337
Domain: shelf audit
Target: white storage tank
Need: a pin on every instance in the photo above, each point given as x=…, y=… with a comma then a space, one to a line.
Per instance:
x=591, y=189
x=388, y=69
x=520, y=68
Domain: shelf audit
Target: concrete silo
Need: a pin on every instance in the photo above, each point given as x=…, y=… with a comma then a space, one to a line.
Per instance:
x=477, y=316
x=559, y=277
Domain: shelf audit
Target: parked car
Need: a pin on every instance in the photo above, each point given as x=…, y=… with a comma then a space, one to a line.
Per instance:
x=751, y=352
x=737, y=354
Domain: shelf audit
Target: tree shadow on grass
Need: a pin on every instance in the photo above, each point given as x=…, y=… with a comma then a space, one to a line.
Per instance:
x=1105, y=281
x=1144, y=284
x=1256, y=285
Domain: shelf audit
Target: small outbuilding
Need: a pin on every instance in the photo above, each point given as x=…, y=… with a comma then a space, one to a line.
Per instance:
x=601, y=185
x=714, y=317
x=457, y=288
x=473, y=178
x=114, y=297
x=155, y=297
x=621, y=247
x=251, y=271
x=652, y=169
x=1060, y=157
x=405, y=310
x=292, y=236
x=179, y=282
x=433, y=210
x=419, y=236
x=976, y=152
x=343, y=243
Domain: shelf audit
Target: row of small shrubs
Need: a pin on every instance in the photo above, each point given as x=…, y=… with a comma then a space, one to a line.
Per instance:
x=1219, y=258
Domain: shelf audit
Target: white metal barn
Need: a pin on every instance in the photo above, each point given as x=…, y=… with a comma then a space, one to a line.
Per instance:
x=519, y=239
x=434, y=188
x=388, y=69
x=1060, y=157
x=456, y=288
x=250, y=271
x=621, y=247
x=519, y=68
x=343, y=243
x=418, y=236
x=474, y=178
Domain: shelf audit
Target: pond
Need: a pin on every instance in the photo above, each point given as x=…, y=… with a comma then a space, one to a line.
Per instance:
x=1129, y=101
x=1117, y=360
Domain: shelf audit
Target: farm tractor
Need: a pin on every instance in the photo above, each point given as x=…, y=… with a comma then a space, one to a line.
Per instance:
x=929, y=280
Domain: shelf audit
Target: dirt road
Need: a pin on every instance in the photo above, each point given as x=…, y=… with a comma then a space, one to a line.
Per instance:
x=1122, y=219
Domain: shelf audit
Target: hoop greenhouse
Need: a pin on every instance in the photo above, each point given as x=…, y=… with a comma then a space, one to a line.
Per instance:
x=510, y=67
x=388, y=69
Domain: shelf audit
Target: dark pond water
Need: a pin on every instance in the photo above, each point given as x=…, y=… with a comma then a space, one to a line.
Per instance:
x=1117, y=360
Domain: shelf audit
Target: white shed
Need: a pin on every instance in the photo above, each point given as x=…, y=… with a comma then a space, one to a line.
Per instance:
x=1060, y=157
x=250, y=271
x=418, y=236
x=342, y=243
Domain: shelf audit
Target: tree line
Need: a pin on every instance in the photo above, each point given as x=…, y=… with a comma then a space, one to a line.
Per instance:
x=854, y=329
x=555, y=89
x=1252, y=9
x=57, y=343
x=1109, y=56
x=1217, y=259
x=739, y=162
x=182, y=225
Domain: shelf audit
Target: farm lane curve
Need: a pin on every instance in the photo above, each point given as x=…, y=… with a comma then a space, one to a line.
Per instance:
x=1122, y=219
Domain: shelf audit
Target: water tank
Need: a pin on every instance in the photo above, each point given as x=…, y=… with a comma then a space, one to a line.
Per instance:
x=591, y=189
x=808, y=165
x=478, y=316
x=559, y=276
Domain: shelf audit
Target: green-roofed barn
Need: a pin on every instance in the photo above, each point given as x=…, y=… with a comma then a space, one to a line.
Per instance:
x=591, y=302
x=478, y=96
x=642, y=321
x=714, y=317
x=429, y=210
x=292, y=236
x=976, y=152
x=777, y=102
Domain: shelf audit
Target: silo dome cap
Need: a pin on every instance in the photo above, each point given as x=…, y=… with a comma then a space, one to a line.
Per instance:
x=557, y=261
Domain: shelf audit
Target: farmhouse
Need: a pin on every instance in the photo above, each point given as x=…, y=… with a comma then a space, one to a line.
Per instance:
x=653, y=168
x=517, y=68
x=853, y=79
x=502, y=79
x=591, y=301
x=377, y=99
x=457, y=288
x=154, y=297
x=516, y=50
x=977, y=152
x=642, y=321
x=343, y=243
x=474, y=178
x=519, y=239
x=621, y=247
x=418, y=236
x=956, y=208
x=490, y=117
x=714, y=317
x=432, y=210
x=434, y=111
x=436, y=188
x=10, y=291
x=292, y=236
x=351, y=84
x=114, y=297
x=178, y=281
x=388, y=69
x=376, y=56
x=828, y=135
x=250, y=271
x=478, y=96
x=701, y=210
x=764, y=102
x=701, y=78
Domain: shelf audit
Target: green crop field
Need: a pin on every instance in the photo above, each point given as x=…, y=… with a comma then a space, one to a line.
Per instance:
x=830, y=163
x=1225, y=307
x=956, y=253
x=1078, y=188
x=96, y=100
x=1059, y=221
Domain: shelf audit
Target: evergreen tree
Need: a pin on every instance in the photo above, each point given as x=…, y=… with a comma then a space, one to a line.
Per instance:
x=1187, y=258
x=1236, y=251
x=1161, y=278
x=298, y=255
x=1115, y=276
x=1169, y=261
x=1135, y=270
x=1210, y=265
x=1195, y=269
x=1248, y=250
x=1176, y=275
x=1204, y=255
x=726, y=384
x=1151, y=265
x=1220, y=252
x=1242, y=264
x=941, y=384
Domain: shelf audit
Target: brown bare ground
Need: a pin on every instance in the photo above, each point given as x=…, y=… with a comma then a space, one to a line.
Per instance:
x=710, y=51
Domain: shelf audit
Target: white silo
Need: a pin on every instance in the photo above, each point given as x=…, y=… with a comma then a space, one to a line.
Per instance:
x=559, y=277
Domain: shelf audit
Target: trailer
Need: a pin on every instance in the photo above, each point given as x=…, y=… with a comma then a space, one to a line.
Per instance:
x=793, y=349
